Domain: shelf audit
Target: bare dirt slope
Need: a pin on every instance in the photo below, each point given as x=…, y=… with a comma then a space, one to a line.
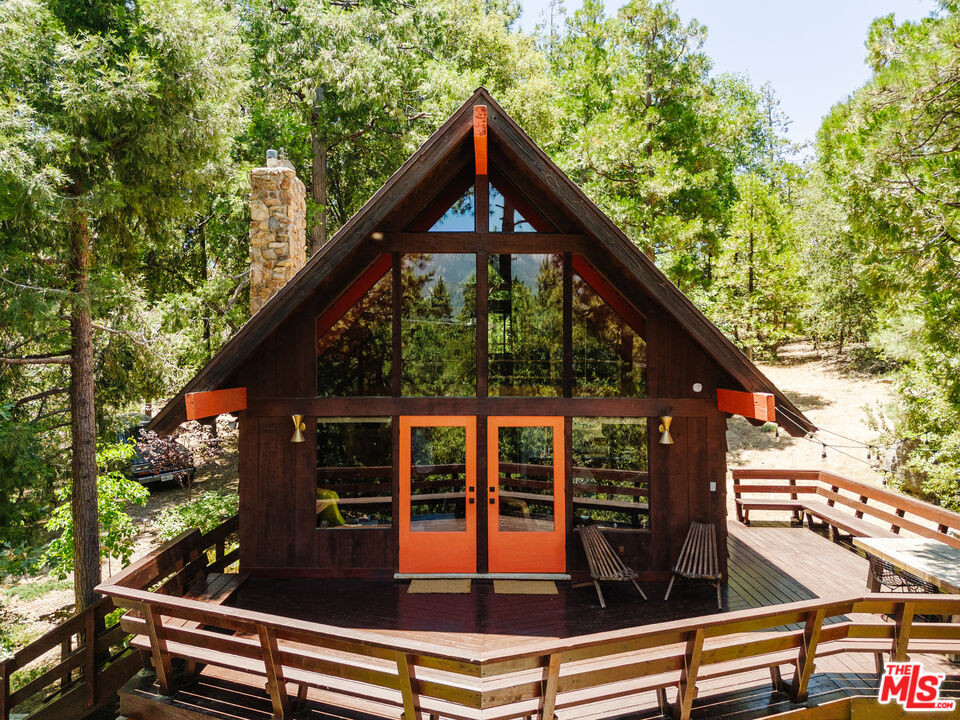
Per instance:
x=834, y=397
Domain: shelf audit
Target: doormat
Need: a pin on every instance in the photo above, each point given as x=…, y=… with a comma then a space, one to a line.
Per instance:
x=453, y=586
x=524, y=587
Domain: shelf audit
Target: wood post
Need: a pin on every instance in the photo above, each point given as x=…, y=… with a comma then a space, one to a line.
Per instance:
x=687, y=689
x=276, y=684
x=808, y=655
x=158, y=645
x=90, y=657
x=408, y=687
x=902, y=638
x=894, y=527
x=859, y=513
x=551, y=681
x=5, y=689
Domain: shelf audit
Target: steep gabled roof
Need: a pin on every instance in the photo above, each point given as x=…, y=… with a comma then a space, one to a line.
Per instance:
x=412, y=174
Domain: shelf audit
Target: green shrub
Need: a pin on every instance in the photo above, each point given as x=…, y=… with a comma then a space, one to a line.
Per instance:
x=204, y=513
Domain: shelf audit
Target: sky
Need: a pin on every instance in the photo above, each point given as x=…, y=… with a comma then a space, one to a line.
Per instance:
x=812, y=52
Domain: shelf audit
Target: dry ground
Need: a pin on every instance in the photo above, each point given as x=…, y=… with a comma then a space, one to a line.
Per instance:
x=833, y=397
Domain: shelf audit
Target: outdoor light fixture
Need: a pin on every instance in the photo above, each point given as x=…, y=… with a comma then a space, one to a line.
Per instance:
x=666, y=438
x=298, y=428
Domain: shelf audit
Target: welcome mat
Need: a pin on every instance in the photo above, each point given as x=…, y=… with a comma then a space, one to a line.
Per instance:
x=453, y=586
x=524, y=587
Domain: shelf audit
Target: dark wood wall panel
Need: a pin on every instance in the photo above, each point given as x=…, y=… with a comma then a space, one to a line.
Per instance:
x=248, y=472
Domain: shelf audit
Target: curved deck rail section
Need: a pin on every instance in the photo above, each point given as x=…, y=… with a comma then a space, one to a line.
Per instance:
x=588, y=674
x=767, y=490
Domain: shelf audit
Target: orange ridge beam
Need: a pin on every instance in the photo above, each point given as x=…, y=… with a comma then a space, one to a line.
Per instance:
x=480, y=138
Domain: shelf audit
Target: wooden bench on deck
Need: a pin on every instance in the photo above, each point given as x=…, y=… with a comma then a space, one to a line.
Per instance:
x=604, y=563
x=699, y=559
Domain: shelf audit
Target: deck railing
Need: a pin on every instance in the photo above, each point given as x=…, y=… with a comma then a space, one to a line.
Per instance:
x=88, y=675
x=94, y=662
x=391, y=676
x=862, y=499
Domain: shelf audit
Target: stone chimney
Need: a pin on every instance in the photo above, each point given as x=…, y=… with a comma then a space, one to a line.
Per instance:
x=278, y=240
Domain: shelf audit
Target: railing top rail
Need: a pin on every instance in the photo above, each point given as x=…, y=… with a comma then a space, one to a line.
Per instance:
x=54, y=637
x=714, y=625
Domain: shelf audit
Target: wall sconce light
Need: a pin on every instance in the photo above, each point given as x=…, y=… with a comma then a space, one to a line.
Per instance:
x=666, y=438
x=298, y=428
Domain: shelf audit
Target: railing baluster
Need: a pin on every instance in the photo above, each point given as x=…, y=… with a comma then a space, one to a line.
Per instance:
x=808, y=655
x=408, y=687
x=90, y=656
x=5, y=688
x=158, y=644
x=894, y=527
x=687, y=689
x=904, y=624
x=859, y=513
x=548, y=702
x=276, y=684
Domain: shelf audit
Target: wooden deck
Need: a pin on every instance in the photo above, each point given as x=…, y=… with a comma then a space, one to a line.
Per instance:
x=770, y=564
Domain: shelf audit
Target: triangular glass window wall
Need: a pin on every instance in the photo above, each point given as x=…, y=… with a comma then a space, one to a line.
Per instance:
x=504, y=217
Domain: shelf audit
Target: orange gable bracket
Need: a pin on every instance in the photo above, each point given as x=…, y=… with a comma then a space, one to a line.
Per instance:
x=757, y=406
x=480, y=138
x=215, y=402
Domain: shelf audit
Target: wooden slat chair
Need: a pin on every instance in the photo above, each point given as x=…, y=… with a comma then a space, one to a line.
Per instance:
x=699, y=559
x=604, y=563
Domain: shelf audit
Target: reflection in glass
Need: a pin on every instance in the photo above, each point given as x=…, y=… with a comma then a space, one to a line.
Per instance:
x=438, y=479
x=459, y=217
x=354, y=472
x=504, y=217
x=609, y=357
x=354, y=356
x=525, y=325
x=439, y=325
x=526, y=479
x=610, y=471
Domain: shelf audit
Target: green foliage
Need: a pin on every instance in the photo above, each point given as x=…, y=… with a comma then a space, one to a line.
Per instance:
x=33, y=590
x=204, y=513
x=114, y=492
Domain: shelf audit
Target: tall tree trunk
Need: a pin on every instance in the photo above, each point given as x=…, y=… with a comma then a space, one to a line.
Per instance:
x=318, y=189
x=86, y=536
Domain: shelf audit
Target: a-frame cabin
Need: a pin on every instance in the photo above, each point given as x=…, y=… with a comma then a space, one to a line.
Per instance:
x=482, y=361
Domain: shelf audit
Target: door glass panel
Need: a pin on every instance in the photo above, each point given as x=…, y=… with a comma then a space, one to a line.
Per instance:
x=354, y=472
x=439, y=325
x=526, y=479
x=525, y=326
x=609, y=357
x=438, y=479
x=354, y=356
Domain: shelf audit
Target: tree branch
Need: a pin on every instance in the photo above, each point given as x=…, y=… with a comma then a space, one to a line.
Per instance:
x=56, y=359
x=41, y=396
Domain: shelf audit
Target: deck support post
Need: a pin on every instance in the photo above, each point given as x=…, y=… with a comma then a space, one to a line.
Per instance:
x=687, y=688
x=158, y=646
x=408, y=687
x=902, y=637
x=551, y=681
x=662, y=702
x=276, y=684
x=808, y=655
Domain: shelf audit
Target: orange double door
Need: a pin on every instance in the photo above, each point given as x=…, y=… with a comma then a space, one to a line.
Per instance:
x=522, y=495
